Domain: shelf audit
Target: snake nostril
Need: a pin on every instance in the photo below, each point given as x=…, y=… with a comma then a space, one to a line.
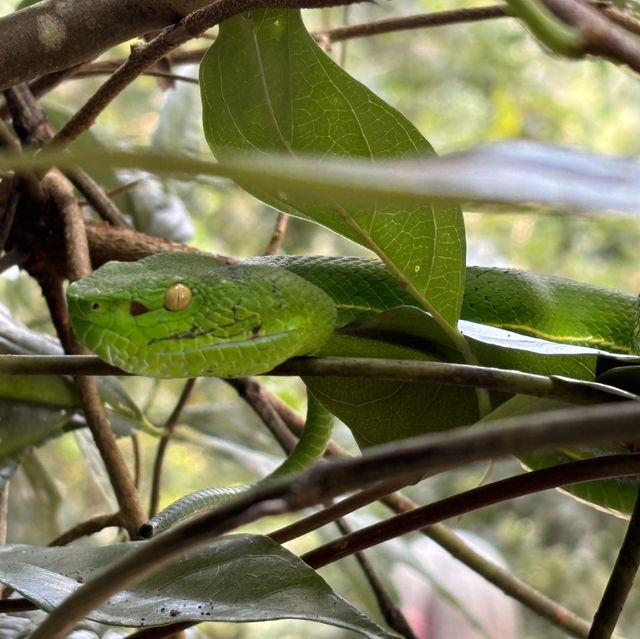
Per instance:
x=95, y=306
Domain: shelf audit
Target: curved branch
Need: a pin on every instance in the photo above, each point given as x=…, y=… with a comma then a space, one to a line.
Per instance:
x=56, y=34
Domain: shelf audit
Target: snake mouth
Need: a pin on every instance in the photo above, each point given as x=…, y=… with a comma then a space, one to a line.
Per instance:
x=255, y=340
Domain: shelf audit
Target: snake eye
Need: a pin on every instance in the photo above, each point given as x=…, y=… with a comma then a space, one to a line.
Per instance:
x=137, y=309
x=177, y=297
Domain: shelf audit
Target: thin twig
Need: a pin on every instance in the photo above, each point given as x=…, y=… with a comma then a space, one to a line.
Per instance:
x=277, y=236
x=420, y=21
x=620, y=581
x=252, y=392
x=622, y=19
x=143, y=57
x=4, y=510
x=96, y=197
x=85, y=528
x=16, y=605
x=137, y=459
x=154, y=74
x=390, y=610
x=470, y=500
x=169, y=427
x=9, y=211
x=125, y=188
x=410, y=371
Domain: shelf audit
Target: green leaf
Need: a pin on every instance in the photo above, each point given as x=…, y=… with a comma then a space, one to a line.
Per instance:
x=382, y=411
x=205, y=585
x=268, y=87
x=518, y=175
x=616, y=496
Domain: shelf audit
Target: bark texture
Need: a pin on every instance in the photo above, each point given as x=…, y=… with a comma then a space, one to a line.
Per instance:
x=56, y=34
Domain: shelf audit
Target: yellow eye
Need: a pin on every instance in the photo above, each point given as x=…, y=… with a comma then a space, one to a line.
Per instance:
x=177, y=297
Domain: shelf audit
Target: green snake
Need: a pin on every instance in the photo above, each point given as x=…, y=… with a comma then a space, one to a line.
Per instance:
x=187, y=315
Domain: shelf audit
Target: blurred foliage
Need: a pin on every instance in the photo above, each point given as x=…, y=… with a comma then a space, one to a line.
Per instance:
x=462, y=85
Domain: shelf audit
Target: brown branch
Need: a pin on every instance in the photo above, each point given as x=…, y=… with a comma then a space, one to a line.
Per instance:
x=279, y=231
x=420, y=21
x=78, y=265
x=85, y=528
x=51, y=35
x=620, y=581
x=169, y=427
x=144, y=56
x=252, y=392
x=470, y=500
x=117, y=243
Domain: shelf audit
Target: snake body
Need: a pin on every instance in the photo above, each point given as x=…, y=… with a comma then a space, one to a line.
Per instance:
x=187, y=315
x=245, y=318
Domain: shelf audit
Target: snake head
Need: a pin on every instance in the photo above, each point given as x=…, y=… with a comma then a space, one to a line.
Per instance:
x=185, y=315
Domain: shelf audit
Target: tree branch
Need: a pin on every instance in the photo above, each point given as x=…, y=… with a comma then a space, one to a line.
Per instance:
x=418, y=21
x=598, y=468
x=620, y=581
x=323, y=481
x=56, y=34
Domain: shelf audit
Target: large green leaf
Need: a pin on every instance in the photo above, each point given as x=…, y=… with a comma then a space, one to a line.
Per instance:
x=379, y=411
x=268, y=87
x=209, y=584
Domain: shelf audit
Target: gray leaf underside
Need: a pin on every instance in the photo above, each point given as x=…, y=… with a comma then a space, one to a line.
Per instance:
x=202, y=586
